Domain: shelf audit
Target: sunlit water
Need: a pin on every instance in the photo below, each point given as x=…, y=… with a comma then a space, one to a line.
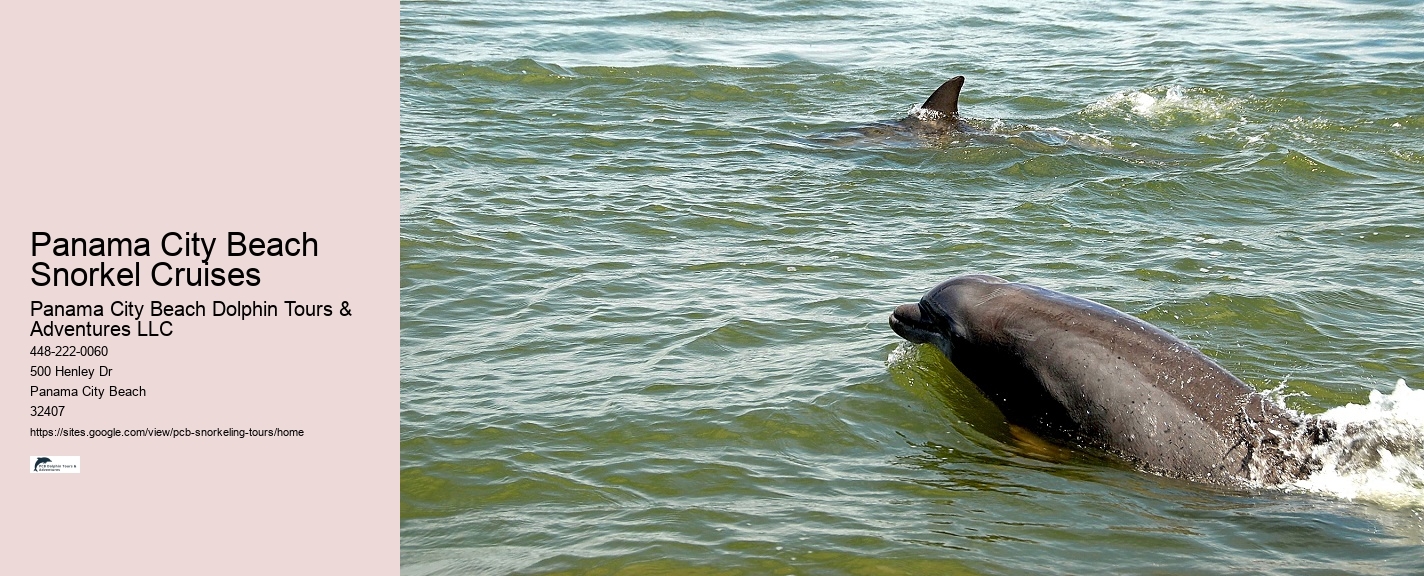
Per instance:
x=649, y=250
x=1379, y=455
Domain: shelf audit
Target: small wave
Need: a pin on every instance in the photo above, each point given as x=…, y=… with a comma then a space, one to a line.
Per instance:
x=1166, y=103
x=1377, y=453
x=1049, y=138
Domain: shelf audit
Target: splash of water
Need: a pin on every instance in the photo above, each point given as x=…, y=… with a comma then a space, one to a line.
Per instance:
x=925, y=114
x=1168, y=102
x=1377, y=453
x=1144, y=104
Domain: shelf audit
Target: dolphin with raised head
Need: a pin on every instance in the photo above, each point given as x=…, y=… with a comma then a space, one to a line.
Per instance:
x=1080, y=372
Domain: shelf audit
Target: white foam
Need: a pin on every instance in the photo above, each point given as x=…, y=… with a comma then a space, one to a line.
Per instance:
x=1377, y=453
x=926, y=114
x=1170, y=100
x=1142, y=103
x=900, y=355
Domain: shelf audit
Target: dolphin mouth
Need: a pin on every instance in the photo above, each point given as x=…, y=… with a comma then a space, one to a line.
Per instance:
x=909, y=321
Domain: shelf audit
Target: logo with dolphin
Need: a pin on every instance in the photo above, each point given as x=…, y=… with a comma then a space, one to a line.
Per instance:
x=54, y=464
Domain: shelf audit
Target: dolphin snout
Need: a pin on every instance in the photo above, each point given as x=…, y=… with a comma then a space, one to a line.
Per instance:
x=907, y=321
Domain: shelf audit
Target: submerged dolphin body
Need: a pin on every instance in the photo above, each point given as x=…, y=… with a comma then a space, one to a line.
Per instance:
x=1084, y=373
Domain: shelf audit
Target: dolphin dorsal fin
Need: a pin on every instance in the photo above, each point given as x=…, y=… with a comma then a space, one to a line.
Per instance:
x=945, y=100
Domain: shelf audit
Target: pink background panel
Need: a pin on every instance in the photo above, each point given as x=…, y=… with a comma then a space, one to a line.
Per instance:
x=133, y=119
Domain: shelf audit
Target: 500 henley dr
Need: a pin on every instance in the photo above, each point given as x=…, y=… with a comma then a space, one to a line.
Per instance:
x=188, y=244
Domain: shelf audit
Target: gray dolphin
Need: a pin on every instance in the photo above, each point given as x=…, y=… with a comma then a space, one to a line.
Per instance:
x=936, y=118
x=940, y=112
x=1078, y=371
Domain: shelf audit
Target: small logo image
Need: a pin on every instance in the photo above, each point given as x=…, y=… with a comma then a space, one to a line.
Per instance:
x=54, y=464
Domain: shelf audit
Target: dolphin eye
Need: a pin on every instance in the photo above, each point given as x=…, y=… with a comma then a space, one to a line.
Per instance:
x=934, y=316
x=951, y=327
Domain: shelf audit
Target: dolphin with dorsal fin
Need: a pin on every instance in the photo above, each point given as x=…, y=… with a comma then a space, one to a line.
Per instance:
x=937, y=117
x=945, y=99
x=937, y=122
x=940, y=112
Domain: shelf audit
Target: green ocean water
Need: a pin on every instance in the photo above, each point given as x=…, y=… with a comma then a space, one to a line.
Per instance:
x=648, y=252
